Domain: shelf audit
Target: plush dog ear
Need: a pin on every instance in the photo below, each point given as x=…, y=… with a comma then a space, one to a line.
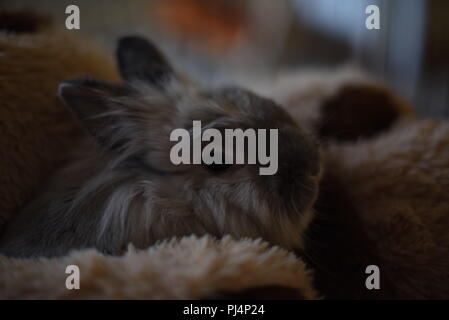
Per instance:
x=96, y=104
x=140, y=60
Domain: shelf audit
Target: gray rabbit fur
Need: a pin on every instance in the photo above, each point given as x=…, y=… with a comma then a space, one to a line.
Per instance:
x=121, y=187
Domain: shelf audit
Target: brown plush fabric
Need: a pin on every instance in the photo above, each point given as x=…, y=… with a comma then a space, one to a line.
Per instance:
x=383, y=199
x=36, y=130
x=338, y=105
x=190, y=268
x=394, y=213
x=359, y=111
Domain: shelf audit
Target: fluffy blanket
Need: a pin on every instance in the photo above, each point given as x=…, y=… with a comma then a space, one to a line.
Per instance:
x=383, y=200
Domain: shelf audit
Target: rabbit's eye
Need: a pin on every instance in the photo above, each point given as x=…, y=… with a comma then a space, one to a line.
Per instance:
x=217, y=168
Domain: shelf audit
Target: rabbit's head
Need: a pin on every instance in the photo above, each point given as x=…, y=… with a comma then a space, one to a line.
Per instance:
x=133, y=122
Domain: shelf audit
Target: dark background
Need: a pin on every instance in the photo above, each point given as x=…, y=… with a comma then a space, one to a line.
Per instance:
x=217, y=38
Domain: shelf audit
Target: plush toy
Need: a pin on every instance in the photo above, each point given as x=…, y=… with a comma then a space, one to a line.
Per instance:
x=384, y=196
x=383, y=199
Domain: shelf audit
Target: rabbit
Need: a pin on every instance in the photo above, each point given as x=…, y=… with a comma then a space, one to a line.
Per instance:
x=121, y=187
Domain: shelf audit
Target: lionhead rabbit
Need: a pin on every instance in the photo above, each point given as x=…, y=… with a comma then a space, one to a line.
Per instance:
x=122, y=187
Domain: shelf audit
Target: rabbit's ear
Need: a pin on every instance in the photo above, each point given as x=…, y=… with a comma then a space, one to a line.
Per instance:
x=95, y=104
x=140, y=60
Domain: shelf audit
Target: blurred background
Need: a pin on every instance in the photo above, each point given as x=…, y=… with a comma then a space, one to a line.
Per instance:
x=215, y=39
